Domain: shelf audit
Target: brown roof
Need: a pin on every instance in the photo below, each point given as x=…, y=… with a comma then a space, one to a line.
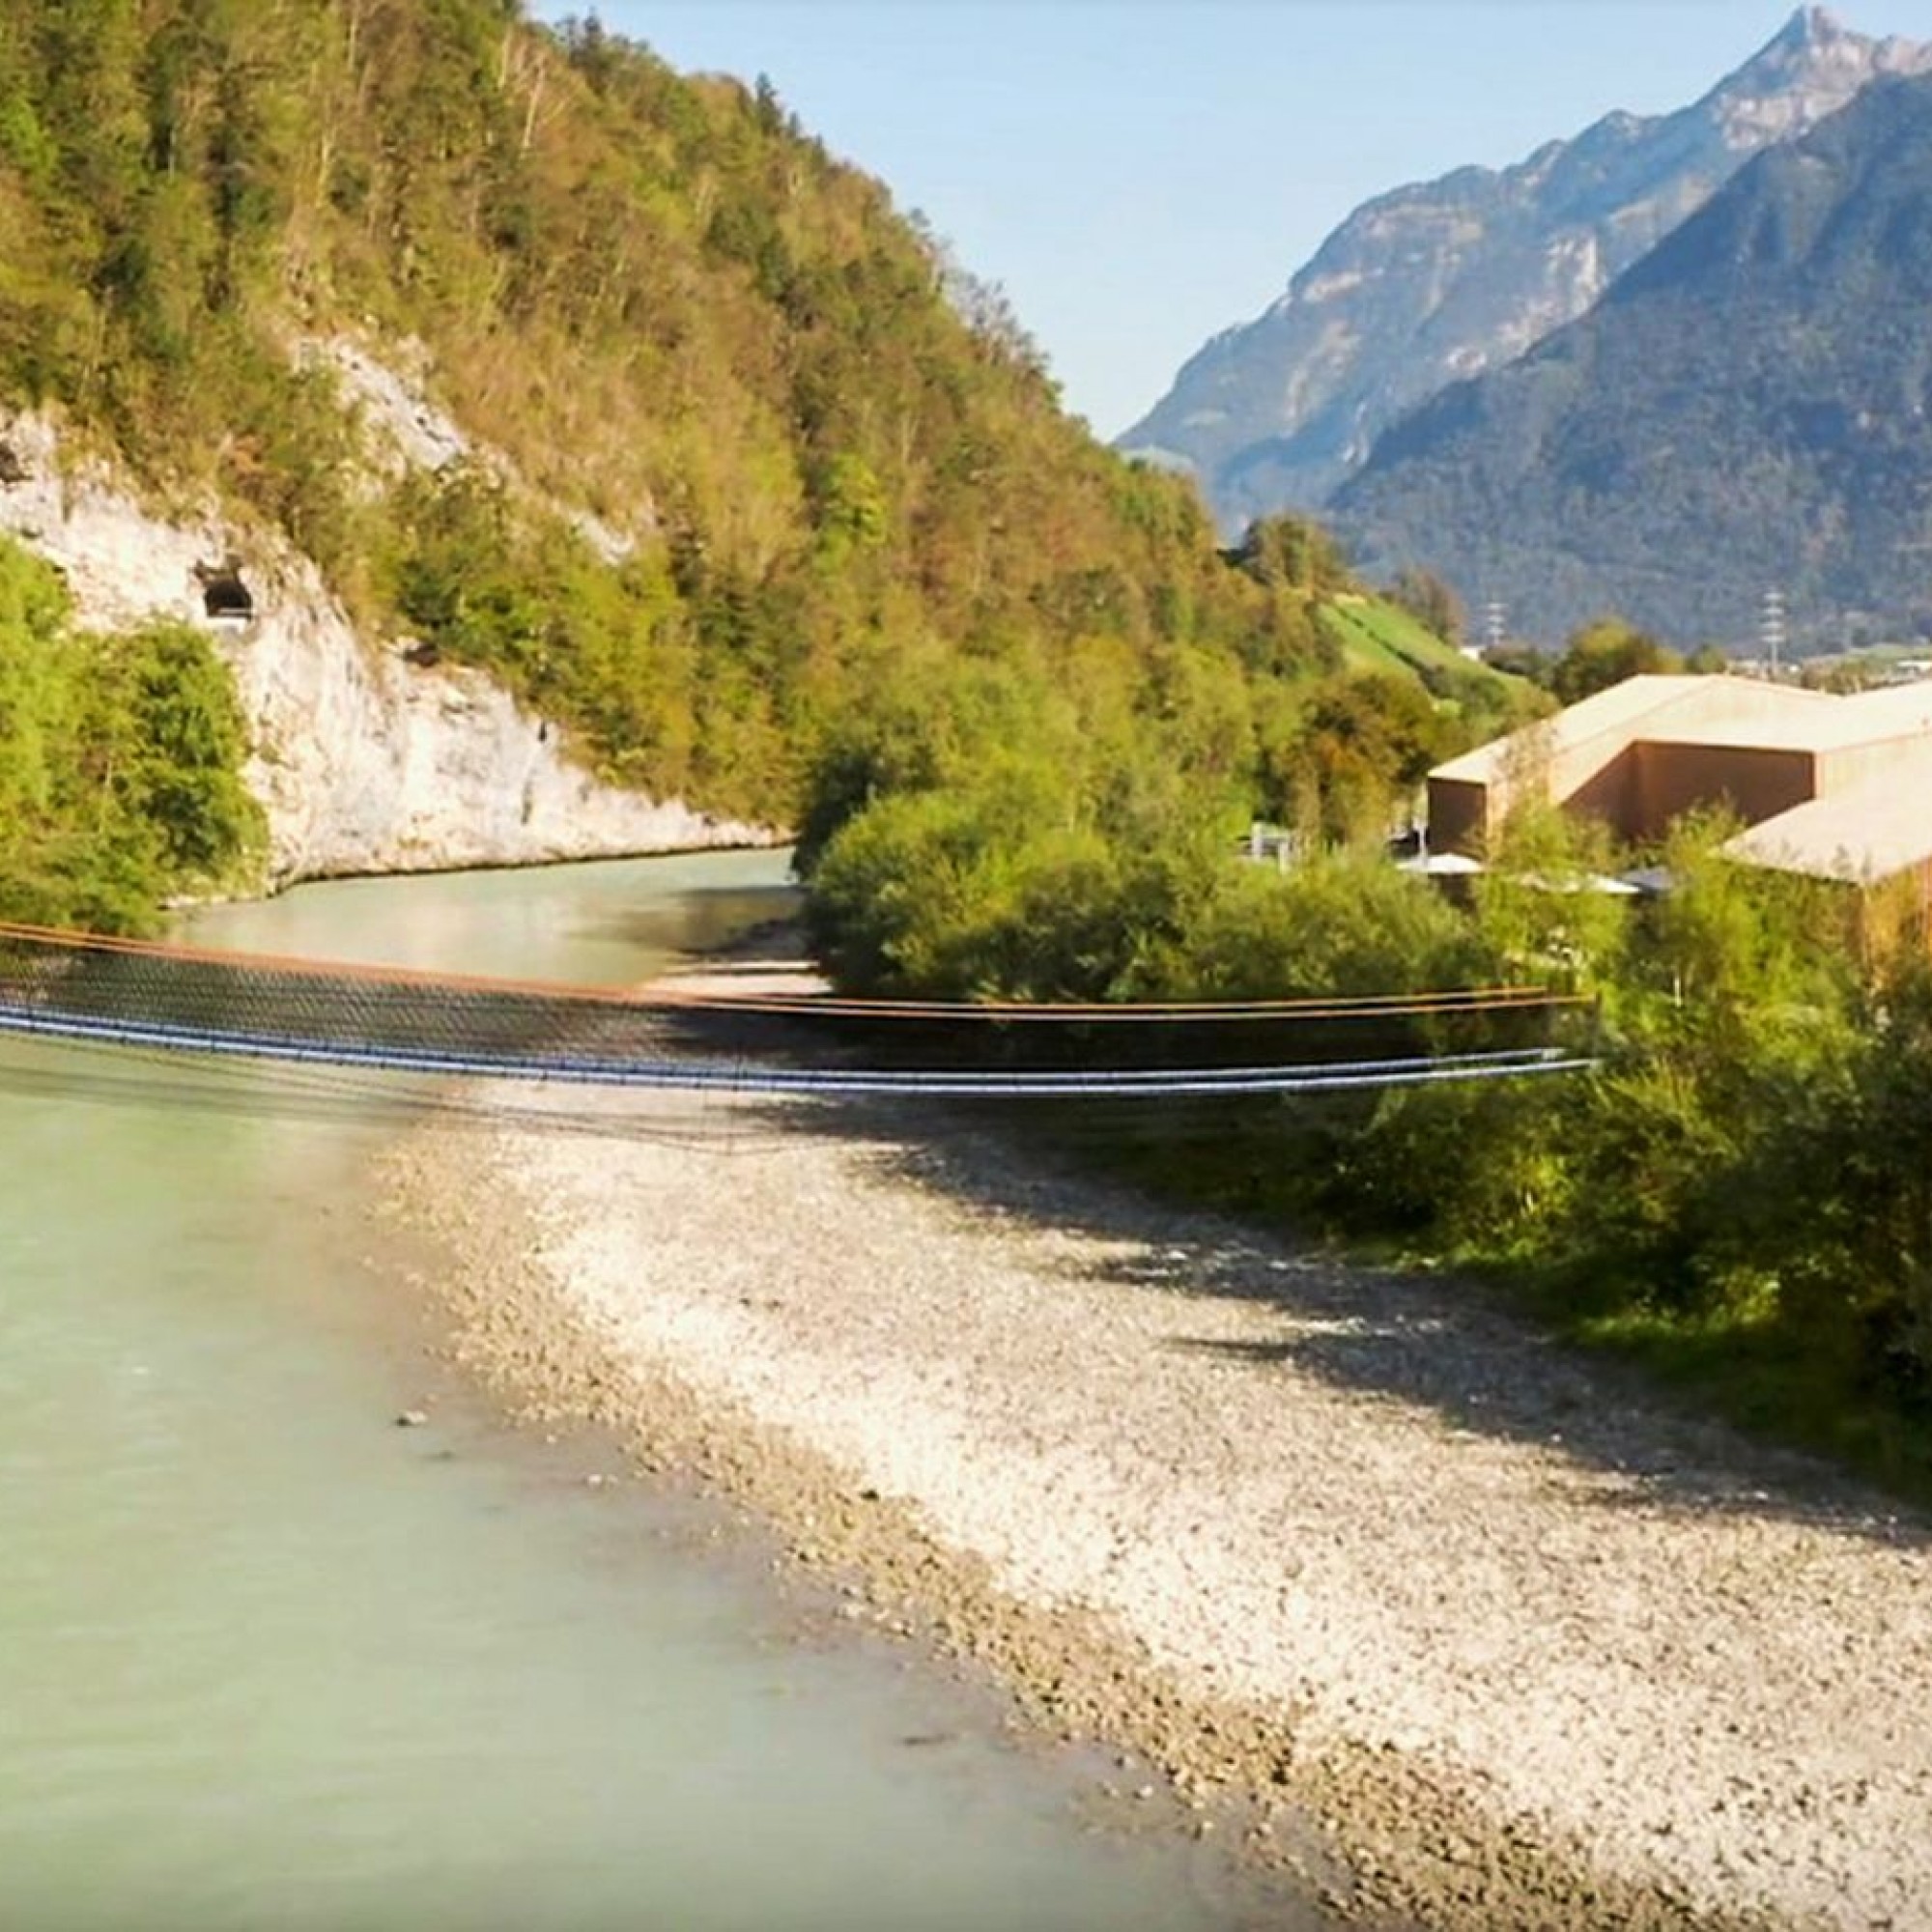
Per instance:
x=1677, y=709
x=1877, y=824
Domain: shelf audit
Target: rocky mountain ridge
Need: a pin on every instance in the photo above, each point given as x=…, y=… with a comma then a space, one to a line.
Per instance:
x=1749, y=408
x=1436, y=282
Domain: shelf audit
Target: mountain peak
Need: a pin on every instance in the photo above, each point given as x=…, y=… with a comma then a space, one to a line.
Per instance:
x=1813, y=27
x=1813, y=38
x=1434, y=282
x=1811, y=66
x=1814, y=41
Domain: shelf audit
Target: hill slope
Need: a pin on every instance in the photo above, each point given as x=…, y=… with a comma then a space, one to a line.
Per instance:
x=1746, y=408
x=722, y=421
x=494, y=347
x=1436, y=282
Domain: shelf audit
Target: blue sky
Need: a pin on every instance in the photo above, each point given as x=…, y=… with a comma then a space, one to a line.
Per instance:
x=1138, y=174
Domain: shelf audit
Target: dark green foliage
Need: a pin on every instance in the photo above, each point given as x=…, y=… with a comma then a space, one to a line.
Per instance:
x=1292, y=552
x=1739, y=1192
x=990, y=833
x=1355, y=751
x=1343, y=923
x=1860, y=1250
x=119, y=764
x=171, y=702
x=1431, y=602
x=1604, y=653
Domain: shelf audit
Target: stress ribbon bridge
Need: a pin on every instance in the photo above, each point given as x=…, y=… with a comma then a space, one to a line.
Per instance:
x=157, y=998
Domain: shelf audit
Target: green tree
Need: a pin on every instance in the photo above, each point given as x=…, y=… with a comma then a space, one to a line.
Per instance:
x=1354, y=753
x=181, y=739
x=119, y=763
x=1604, y=653
x=1431, y=602
x=1292, y=552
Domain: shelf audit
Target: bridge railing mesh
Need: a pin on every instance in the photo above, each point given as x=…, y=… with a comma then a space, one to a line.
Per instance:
x=243, y=996
x=76, y=986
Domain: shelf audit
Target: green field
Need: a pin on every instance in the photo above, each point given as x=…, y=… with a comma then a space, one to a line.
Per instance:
x=1375, y=636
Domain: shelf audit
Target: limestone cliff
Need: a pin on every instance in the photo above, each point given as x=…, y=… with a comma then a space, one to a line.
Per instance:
x=365, y=760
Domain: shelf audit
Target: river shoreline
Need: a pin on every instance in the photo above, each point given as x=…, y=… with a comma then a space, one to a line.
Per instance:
x=1424, y=1611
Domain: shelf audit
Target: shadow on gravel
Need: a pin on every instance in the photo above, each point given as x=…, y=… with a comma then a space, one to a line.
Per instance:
x=1435, y=1341
x=1432, y=1342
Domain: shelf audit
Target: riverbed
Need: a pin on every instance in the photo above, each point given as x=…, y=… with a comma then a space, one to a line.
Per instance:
x=268, y=1658
x=1525, y=1642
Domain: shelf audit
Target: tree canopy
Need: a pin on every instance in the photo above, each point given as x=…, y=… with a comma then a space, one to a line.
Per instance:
x=119, y=759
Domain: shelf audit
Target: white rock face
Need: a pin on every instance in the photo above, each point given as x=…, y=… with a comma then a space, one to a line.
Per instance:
x=363, y=761
x=403, y=429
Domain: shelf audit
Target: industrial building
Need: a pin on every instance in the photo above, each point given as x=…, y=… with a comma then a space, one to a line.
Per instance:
x=1833, y=787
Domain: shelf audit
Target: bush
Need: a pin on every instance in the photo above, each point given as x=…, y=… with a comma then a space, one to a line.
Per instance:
x=120, y=763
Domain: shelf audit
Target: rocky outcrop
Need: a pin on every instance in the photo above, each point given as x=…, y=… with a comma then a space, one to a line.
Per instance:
x=1437, y=282
x=365, y=758
x=403, y=428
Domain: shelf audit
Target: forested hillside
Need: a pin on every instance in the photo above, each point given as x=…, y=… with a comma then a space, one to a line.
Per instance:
x=748, y=457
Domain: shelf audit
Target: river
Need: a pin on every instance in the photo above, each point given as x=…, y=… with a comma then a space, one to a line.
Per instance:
x=267, y=1658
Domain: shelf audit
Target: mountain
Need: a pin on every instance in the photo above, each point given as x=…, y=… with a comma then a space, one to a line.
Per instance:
x=1746, y=408
x=525, y=436
x=1437, y=282
x=608, y=382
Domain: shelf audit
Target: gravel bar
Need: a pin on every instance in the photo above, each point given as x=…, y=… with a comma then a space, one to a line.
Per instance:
x=1471, y=1632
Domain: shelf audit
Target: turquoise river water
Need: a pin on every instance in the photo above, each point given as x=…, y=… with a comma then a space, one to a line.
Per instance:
x=269, y=1660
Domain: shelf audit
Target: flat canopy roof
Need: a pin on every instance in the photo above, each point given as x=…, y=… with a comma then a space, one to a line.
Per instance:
x=1621, y=705
x=1866, y=717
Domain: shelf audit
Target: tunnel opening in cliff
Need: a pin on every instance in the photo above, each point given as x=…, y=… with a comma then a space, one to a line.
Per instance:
x=225, y=597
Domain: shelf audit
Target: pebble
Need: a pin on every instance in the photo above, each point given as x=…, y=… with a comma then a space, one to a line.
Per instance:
x=1536, y=1635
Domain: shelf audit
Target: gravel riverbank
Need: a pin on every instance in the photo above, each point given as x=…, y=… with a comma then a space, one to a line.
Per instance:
x=1392, y=1575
